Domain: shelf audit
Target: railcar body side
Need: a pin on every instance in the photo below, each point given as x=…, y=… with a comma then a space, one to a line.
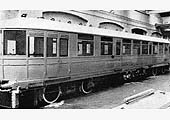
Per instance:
x=35, y=54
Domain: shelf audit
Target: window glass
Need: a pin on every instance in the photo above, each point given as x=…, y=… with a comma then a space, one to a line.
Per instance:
x=166, y=49
x=63, y=47
x=85, y=45
x=14, y=42
x=36, y=46
x=126, y=49
x=155, y=48
x=51, y=47
x=106, y=45
x=80, y=48
x=1, y=42
x=118, y=47
x=160, y=48
x=150, y=48
x=136, y=47
x=106, y=48
x=144, y=47
x=88, y=48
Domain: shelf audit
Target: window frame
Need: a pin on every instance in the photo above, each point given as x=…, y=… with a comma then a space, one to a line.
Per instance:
x=153, y=48
x=150, y=48
x=84, y=42
x=36, y=33
x=145, y=44
x=3, y=38
x=126, y=43
x=166, y=49
x=108, y=42
x=120, y=48
x=67, y=39
x=137, y=43
x=52, y=35
x=161, y=51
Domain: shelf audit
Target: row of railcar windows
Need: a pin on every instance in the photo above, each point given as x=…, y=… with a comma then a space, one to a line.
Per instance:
x=36, y=47
x=129, y=47
x=15, y=44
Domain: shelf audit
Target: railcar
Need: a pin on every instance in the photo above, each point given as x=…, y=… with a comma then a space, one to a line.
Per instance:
x=42, y=59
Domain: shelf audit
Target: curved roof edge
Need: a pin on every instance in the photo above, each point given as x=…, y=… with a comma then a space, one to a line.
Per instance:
x=32, y=23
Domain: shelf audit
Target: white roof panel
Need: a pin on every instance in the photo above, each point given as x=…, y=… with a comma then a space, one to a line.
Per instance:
x=32, y=23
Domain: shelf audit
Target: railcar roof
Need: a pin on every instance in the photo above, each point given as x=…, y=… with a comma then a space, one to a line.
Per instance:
x=33, y=23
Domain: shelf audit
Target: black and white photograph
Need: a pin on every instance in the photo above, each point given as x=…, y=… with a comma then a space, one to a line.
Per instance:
x=90, y=59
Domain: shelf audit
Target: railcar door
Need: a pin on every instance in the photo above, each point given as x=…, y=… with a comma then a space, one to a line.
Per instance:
x=57, y=62
x=167, y=52
x=36, y=56
x=13, y=62
x=117, y=53
x=155, y=53
x=1, y=46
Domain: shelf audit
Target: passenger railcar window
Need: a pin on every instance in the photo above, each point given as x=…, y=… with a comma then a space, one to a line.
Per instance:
x=63, y=48
x=144, y=47
x=126, y=50
x=118, y=47
x=160, y=48
x=155, y=48
x=1, y=42
x=36, y=46
x=136, y=47
x=150, y=48
x=85, y=45
x=51, y=47
x=106, y=45
x=166, y=49
x=14, y=42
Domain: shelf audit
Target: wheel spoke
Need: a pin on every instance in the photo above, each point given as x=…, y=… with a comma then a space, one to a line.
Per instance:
x=87, y=86
x=48, y=94
x=154, y=71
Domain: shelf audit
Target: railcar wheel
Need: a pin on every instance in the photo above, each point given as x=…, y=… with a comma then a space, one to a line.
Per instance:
x=51, y=94
x=127, y=76
x=87, y=86
x=163, y=70
x=167, y=68
x=154, y=71
x=143, y=72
